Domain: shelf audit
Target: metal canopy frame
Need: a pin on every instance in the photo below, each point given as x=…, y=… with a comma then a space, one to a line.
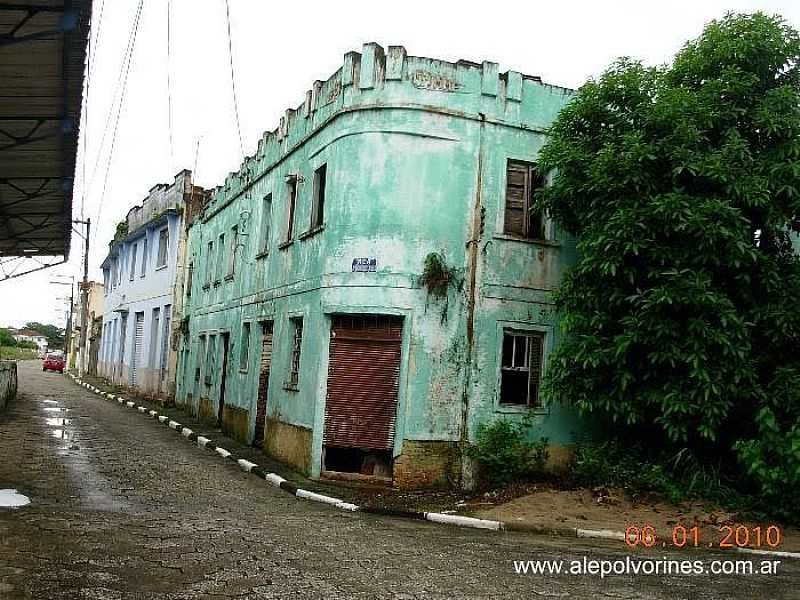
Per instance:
x=42, y=61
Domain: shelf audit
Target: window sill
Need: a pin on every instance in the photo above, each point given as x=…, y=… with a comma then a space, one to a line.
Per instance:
x=516, y=238
x=285, y=244
x=520, y=409
x=164, y=266
x=206, y=286
x=262, y=254
x=311, y=232
x=290, y=387
x=243, y=371
x=229, y=277
x=217, y=282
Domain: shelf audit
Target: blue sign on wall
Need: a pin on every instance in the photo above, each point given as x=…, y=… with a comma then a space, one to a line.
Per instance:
x=365, y=265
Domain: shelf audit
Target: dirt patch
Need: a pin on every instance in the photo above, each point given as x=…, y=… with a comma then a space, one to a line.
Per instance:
x=611, y=509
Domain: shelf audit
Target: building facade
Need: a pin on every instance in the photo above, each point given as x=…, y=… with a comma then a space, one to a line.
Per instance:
x=95, y=299
x=141, y=273
x=373, y=284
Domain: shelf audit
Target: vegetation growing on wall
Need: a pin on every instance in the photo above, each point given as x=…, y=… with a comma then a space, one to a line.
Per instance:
x=682, y=185
x=437, y=277
x=505, y=453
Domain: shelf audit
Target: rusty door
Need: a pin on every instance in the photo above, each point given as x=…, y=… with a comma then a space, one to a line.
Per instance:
x=263, y=383
x=363, y=379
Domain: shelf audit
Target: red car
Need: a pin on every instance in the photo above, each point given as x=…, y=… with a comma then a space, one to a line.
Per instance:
x=53, y=362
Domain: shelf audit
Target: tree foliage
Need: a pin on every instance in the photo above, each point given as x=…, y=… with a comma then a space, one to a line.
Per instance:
x=681, y=184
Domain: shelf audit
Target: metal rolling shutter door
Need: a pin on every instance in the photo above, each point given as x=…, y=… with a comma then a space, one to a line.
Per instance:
x=363, y=380
x=138, y=338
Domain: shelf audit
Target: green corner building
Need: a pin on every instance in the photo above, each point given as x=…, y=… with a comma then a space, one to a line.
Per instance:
x=372, y=284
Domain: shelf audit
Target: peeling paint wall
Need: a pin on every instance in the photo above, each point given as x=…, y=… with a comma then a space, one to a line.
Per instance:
x=403, y=139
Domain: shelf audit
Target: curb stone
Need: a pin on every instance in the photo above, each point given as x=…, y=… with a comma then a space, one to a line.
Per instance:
x=433, y=517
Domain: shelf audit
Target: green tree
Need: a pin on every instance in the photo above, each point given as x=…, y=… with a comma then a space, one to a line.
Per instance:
x=682, y=186
x=6, y=339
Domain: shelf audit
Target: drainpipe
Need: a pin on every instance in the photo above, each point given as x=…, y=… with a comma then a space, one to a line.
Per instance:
x=472, y=265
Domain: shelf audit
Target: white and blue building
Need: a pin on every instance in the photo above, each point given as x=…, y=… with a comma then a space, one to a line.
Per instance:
x=143, y=277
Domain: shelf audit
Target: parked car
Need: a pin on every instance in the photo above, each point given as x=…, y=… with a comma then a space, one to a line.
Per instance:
x=53, y=362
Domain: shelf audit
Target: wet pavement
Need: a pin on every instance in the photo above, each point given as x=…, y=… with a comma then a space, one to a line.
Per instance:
x=122, y=507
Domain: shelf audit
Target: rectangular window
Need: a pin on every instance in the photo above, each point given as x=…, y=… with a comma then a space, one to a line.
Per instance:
x=521, y=219
x=318, y=207
x=189, y=280
x=521, y=368
x=233, y=250
x=220, y=257
x=266, y=222
x=210, y=263
x=244, y=348
x=199, y=362
x=144, y=257
x=133, y=262
x=163, y=244
x=290, y=208
x=297, y=344
x=154, y=328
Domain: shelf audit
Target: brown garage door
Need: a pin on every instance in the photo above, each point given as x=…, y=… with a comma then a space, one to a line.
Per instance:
x=363, y=378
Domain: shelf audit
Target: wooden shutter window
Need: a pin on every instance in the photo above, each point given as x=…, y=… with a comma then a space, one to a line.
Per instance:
x=521, y=218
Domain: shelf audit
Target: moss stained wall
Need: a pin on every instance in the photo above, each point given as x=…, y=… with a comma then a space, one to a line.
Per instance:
x=406, y=141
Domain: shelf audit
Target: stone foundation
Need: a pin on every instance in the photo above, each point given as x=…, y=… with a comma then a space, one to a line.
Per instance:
x=236, y=422
x=289, y=444
x=206, y=412
x=427, y=464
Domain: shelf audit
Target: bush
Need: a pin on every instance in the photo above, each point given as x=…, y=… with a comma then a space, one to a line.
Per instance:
x=505, y=453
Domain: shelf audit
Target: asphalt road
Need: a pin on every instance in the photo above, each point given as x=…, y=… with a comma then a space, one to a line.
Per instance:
x=122, y=507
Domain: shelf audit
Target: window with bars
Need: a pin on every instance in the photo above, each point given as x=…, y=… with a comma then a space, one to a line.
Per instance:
x=297, y=343
x=189, y=280
x=521, y=368
x=163, y=247
x=209, y=262
x=521, y=218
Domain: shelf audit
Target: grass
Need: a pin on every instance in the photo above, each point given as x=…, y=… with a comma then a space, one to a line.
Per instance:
x=13, y=353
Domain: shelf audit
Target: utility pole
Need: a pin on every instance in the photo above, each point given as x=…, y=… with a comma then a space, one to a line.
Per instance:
x=84, y=298
x=68, y=331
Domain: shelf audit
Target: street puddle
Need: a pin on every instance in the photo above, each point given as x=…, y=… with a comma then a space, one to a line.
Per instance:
x=57, y=421
x=12, y=499
x=55, y=409
x=50, y=401
x=61, y=434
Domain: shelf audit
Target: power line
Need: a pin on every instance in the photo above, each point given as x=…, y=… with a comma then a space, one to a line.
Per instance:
x=169, y=91
x=119, y=110
x=117, y=89
x=233, y=78
x=93, y=41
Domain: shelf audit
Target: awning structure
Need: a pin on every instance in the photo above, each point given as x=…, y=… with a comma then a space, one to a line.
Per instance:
x=43, y=47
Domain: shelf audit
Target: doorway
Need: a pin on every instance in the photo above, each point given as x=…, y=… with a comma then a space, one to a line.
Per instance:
x=263, y=383
x=223, y=379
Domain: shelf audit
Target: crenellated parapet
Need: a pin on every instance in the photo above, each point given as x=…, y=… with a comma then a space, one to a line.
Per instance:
x=386, y=79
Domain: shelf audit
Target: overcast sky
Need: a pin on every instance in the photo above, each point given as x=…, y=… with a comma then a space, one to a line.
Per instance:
x=279, y=49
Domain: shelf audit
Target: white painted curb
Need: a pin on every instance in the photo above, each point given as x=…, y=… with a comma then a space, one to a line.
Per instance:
x=223, y=453
x=462, y=521
x=202, y=441
x=274, y=479
x=246, y=465
x=602, y=534
x=318, y=497
x=162, y=418
x=778, y=553
x=186, y=432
